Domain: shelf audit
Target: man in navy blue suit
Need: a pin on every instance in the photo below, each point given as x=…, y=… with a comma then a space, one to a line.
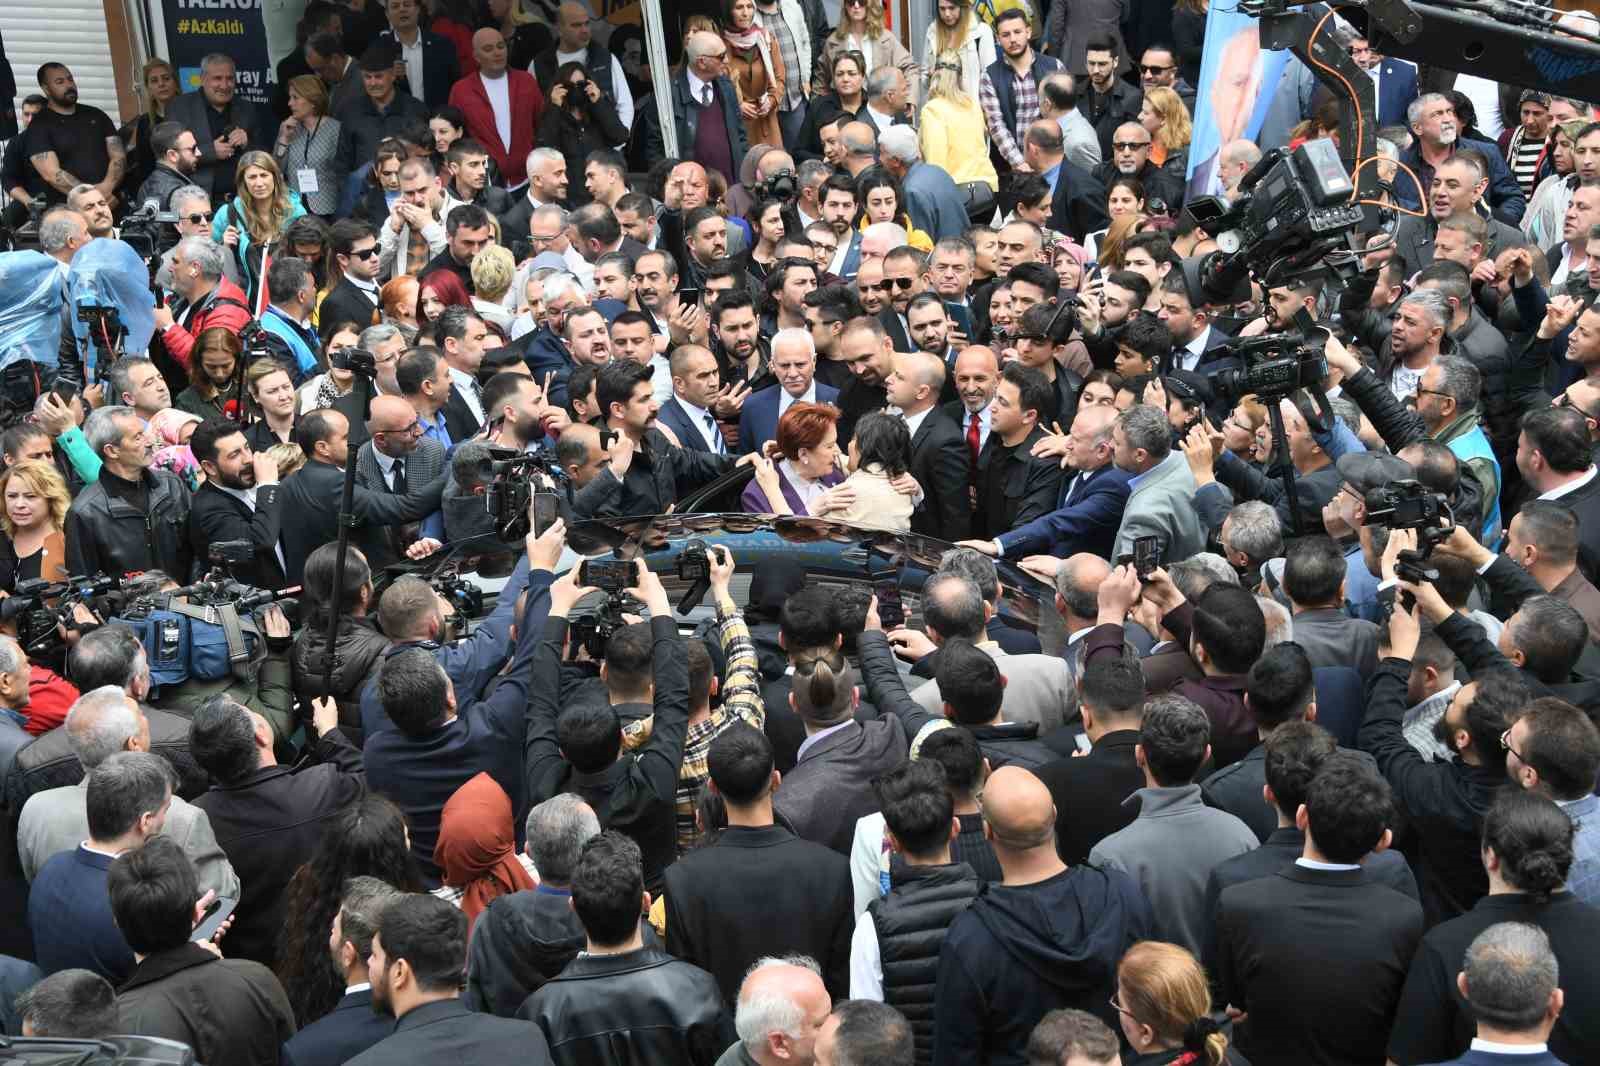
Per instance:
x=1090, y=509
x=696, y=384
x=1395, y=79
x=794, y=364
x=352, y=1026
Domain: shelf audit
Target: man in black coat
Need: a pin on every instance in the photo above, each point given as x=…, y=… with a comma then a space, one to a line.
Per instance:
x=758, y=890
x=418, y=952
x=352, y=1026
x=1342, y=1008
x=1012, y=486
x=429, y=54
x=354, y=296
x=1077, y=198
x=269, y=818
x=710, y=129
x=224, y=125
x=239, y=501
x=313, y=493
x=939, y=457
x=1089, y=790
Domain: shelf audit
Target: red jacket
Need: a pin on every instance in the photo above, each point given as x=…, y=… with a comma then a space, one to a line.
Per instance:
x=180, y=339
x=50, y=696
x=527, y=104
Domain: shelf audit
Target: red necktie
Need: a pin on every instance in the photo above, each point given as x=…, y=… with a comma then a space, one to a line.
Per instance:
x=972, y=439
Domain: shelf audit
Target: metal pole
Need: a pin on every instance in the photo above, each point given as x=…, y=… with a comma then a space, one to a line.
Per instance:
x=655, y=46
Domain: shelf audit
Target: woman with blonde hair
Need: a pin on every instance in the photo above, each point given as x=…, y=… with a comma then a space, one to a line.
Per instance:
x=493, y=271
x=34, y=515
x=954, y=135
x=272, y=398
x=159, y=82
x=861, y=29
x=308, y=146
x=958, y=34
x=254, y=220
x=1163, y=113
x=1164, y=1005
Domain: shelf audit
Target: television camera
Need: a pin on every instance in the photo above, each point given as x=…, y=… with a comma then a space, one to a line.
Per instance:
x=520, y=489
x=41, y=610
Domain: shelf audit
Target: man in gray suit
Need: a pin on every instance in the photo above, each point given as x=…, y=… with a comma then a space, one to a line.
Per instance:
x=102, y=723
x=1313, y=577
x=1161, y=500
x=397, y=457
x=932, y=199
x=1038, y=687
x=224, y=125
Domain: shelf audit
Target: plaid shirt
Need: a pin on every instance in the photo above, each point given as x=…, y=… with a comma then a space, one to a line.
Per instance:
x=1584, y=877
x=741, y=701
x=793, y=77
x=1026, y=99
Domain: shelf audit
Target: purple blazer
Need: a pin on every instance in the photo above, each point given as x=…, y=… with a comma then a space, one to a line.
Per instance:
x=754, y=500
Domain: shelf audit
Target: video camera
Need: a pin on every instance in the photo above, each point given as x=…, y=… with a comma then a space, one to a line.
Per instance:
x=149, y=230
x=355, y=360
x=1408, y=504
x=25, y=237
x=511, y=492
x=37, y=618
x=783, y=186
x=1273, y=366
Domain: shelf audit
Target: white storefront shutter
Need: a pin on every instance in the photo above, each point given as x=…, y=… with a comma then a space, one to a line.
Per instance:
x=63, y=31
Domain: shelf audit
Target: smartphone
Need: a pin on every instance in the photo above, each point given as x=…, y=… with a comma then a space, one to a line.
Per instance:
x=891, y=611
x=688, y=297
x=1146, y=556
x=609, y=576
x=961, y=315
x=546, y=509
x=221, y=907
x=65, y=389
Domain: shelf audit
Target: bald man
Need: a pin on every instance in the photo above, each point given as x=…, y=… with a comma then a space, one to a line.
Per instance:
x=709, y=125
x=396, y=457
x=575, y=43
x=939, y=457
x=858, y=144
x=1003, y=967
x=797, y=985
x=496, y=102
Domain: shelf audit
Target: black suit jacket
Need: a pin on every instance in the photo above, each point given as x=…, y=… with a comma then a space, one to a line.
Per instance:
x=728, y=908
x=942, y=466
x=347, y=303
x=445, y=1031
x=335, y=1038
x=896, y=329
x=440, y=69
x=1362, y=936
x=312, y=495
x=1028, y=486
x=216, y=516
x=459, y=418
x=1088, y=791
x=1079, y=206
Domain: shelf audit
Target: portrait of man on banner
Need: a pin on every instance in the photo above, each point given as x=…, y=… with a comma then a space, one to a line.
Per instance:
x=1237, y=79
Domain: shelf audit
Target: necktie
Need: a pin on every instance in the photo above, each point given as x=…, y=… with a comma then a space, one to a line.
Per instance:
x=1072, y=490
x=705, y=95
x=715, y=436
x=399, y=477
x=974, y=428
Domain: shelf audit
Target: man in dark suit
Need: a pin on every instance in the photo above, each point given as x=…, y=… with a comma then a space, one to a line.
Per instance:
x=428, y=65
x=1089, y=508
x=931, y=197
x=1012, y=486
x=239, y=501
x=759, y=890
x=688, y=414
x=1553, y=458
x=1342, y=1008
x=1089, y=789
x=1077, y=197
x=1313, y=579
x=710, y=129
x=314, y=492
x=1188, y=318
x=1395, y=79
x=794, y=364
x=394, y=459
x=208, y=113
x=354, y=297
x=429, y=937
x=353, y=1026
x=939, y=460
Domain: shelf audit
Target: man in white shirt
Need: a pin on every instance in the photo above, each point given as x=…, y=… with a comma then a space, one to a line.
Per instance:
x=695, y=384
x=888, y=95
x=977, y=377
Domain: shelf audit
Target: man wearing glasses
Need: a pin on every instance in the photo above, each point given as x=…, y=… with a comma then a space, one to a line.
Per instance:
x=397, y=456
x=1159, y=68
x=176, y=157
x=354, y=297
x=1130, y=157
x=192, y=205
x=710, y=129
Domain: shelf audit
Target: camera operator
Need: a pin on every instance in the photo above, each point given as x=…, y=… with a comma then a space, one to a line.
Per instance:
x=441, y=738
x=1446, y=411
x=358, y=647
x=239, y=501
x=133, y=517
x=412, y=614
x=595, y=469
x=581, y=752
x=205, y=297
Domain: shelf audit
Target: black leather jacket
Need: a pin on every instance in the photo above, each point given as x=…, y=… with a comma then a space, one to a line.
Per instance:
x=641, y=1006
x=107, y=535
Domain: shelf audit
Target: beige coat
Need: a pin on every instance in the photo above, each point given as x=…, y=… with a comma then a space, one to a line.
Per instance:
x=878, y=505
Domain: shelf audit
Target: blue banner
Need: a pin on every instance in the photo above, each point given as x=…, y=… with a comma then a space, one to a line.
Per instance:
x=1237, y=80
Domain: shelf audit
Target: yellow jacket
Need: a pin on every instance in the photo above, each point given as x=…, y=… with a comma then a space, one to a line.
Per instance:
x=957, y=138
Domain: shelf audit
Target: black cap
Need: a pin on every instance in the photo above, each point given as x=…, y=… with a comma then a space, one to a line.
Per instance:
x=1365, y=471
x=380, y=55
x=1190, y=386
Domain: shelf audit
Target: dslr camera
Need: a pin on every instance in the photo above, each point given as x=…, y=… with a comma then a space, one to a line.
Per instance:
x=1408, y=504
x=355, y=360
x=783, y=186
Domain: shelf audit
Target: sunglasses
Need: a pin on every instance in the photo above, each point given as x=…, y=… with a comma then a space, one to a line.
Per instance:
x=899, y=283
x=862, y=286
x=198, y=217
x=365, y=253
x=1153, y=70
x=1129, y=146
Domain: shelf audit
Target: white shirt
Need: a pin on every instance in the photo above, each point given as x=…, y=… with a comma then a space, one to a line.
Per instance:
x=804, y=487
x=368, y=287
x=412, y=54
x=1485, y=97
x=866, y=965
x=914, y=421
x=1403, y=381
x=879, y=119
x=837, y=266
x=362, y=987
x=785, y=401
x=386, y=464
x=709, y=434
x=660, y=378
x=697, y=88
x=467, y=387
x=1497, y=1048
x=580, y=266
x=1192, y=351
x=621, y=95
x=1571, y=486
x=1313, y=864
x=498, y=90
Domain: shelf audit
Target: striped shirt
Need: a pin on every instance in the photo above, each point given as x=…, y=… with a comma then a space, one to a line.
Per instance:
x=1522, y=155
x=793, y=76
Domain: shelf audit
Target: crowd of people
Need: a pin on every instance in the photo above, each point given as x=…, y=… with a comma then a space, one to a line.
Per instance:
x=1286, y=769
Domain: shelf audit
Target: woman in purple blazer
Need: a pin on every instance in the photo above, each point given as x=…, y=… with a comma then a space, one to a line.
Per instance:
x=804, y=476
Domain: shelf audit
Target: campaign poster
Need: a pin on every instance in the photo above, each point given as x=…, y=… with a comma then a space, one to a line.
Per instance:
x=234, y=28
x=1237, y=80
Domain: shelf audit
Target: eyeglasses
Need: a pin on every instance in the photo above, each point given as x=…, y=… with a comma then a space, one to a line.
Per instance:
x=1505, y=744
x=534, y=238
x=198, y=217
x=865, y=286
x=1153, y=70
x=716, y=55
x=1129, y=146
x=1119, y=1008
x=899, y=283
x=1566, y=401
x=364, y=253
x=1430, y=392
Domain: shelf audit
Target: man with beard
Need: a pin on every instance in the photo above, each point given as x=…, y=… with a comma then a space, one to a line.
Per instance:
x=352, y=1026
x=1008, y=89
x=929, y=325
x=1457, y=186
x=741, y=354
x=799, y=279
x=871, y=289
x=133, y=517
x=176, y=157
x=1437, y=130
x=1110, y=100
x=865, y=348
x=71, y=144
x=904, y=276
x=419, y=951
x=1130, y=158
x=827, y=310
x=838, y=196
x=977, y=373
x=632, y=338
x=239, y=501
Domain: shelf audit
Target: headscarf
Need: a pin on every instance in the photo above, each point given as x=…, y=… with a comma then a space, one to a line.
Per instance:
x=477, y=847
x=1067, y=245
x=175, y=456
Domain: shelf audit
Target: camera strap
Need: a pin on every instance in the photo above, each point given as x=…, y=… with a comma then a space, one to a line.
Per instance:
x=226, y=617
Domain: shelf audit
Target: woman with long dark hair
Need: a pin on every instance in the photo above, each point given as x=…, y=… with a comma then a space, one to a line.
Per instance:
x=578, y=119
x=880, y=452
x=368, y=840
x=848, y=95
x=358, y=646
x=881, y=200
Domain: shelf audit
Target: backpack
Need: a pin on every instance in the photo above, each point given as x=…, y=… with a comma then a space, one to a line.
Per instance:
x=183, y=641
